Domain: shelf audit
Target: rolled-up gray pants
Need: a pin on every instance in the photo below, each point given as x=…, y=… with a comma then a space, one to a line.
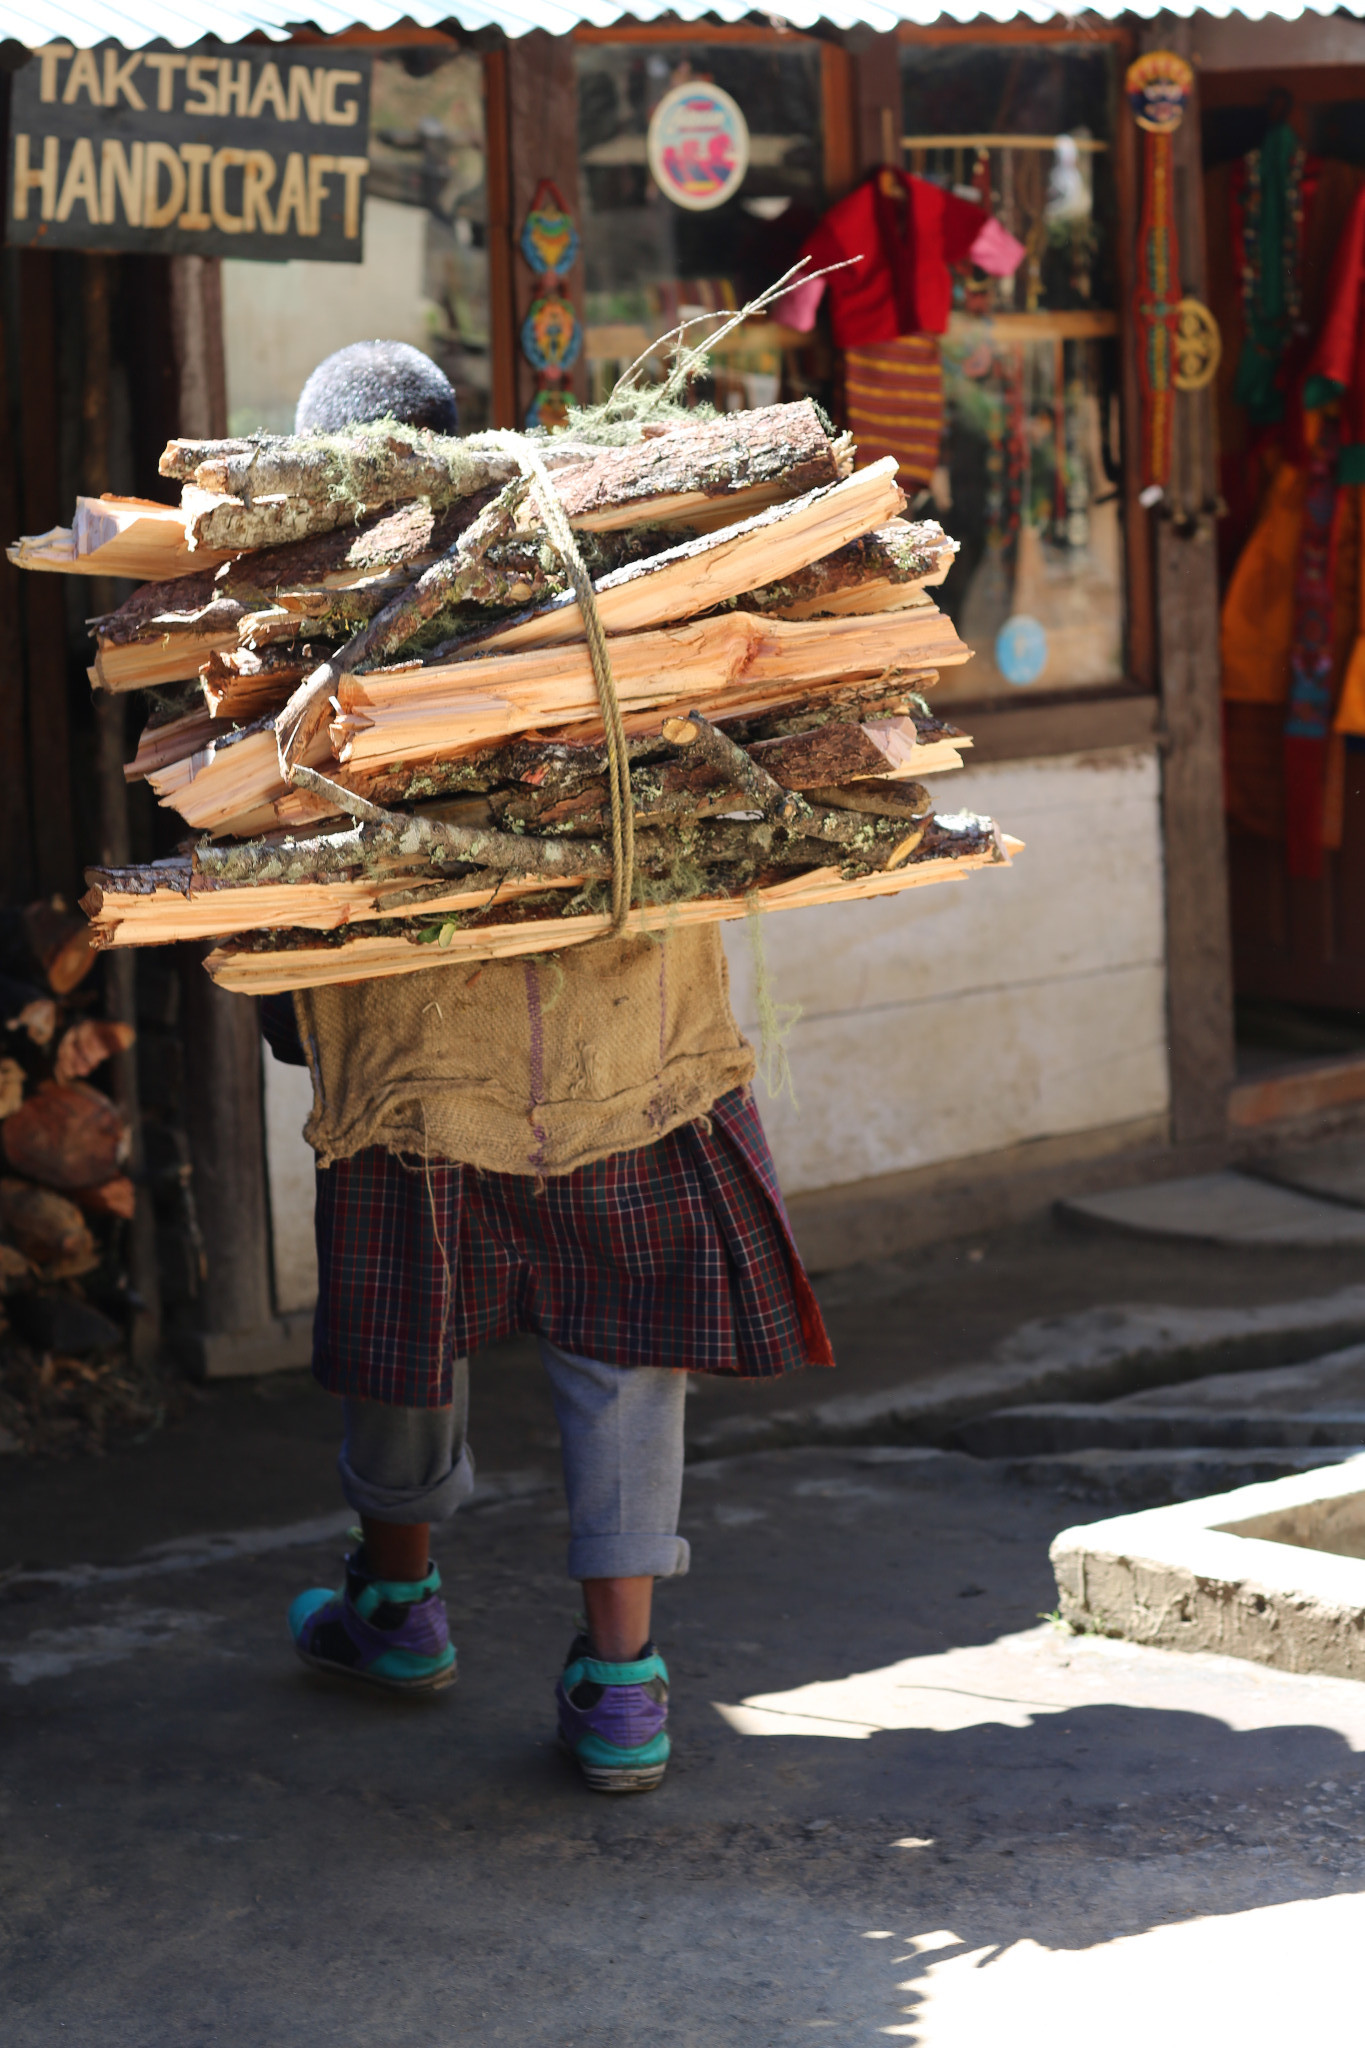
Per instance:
x=621, y=1440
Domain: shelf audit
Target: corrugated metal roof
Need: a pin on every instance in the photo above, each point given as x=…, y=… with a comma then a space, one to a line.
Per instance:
x=177, y=22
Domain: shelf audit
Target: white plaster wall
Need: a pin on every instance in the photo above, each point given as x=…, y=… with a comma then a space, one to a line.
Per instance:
x=280, y=319
x=969, y=1016
x=289, y=1171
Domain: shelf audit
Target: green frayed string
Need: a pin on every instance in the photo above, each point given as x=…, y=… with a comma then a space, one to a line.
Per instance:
x=776, y=1021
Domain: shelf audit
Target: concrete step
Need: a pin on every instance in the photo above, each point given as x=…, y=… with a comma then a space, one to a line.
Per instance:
x=1331, y=1172
x=1067, y=1427
x=1153, y=1478
x=1238, y=1210
x=1137, y=1353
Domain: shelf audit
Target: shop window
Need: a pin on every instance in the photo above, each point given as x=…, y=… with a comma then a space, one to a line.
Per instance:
x=424, y=278
x=649, y=263
x=1029, y=479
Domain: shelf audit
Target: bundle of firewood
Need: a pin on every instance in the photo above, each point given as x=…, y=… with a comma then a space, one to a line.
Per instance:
x=64, y=1190
x=376, y=709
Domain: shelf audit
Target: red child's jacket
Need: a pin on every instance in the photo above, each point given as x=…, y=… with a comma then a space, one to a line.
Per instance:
x=901, y=285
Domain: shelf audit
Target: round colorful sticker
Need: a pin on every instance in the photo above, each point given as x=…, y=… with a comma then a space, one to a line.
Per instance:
x=1021, y=649
x=698, y=146
x=550, y=335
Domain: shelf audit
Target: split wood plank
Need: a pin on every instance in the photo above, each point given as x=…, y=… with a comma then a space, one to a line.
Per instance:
x=727, y=663
x=113, y=536
x=247, y=683
x=235, y=778
x=190, y=906
x=162, y=745
x=151, y=665
x=267, y=973
x=721, y=565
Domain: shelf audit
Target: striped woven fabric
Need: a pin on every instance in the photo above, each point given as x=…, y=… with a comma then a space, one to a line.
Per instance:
x=894, y=402
x=678, y=1254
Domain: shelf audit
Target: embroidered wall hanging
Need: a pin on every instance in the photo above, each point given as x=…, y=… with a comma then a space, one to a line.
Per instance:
x=1158, y=88
x=551, y=337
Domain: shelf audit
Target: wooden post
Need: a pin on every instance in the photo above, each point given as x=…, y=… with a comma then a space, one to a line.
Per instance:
x=49, y=738
x=16, y=852
x=238, y=1331
x=877, y=121
x=502, y=323
x=223, y=1115
x=542, y=142
x=1198, y=932
x=115, y=839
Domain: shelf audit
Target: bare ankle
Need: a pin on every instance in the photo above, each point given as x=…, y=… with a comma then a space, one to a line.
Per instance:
x=398, y=1551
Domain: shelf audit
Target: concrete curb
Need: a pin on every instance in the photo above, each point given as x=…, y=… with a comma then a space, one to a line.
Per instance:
x=1095, y=1356
x=1232, y=1573
x=1153, y=1478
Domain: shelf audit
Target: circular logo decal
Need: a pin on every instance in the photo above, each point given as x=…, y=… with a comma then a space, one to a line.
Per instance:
x=698, y=146
x=1021, y=649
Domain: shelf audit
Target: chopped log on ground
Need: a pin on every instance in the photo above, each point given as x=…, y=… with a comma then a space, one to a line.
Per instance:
x=60, y=943
x=86, y=1045
x=115, y=1197
x=11, y=1087
x=48, y=1229
x=66, y=1135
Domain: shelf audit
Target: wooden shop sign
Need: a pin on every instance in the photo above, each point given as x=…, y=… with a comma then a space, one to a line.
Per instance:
x=220, y=151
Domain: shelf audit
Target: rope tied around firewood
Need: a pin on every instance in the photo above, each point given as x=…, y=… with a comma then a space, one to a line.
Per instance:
x=621, y=808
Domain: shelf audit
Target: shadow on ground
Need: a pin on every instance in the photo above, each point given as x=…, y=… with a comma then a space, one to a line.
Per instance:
x=203, y=1842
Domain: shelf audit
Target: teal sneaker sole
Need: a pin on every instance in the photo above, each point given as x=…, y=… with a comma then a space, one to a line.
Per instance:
x=600, y=1775
x=422, y=1682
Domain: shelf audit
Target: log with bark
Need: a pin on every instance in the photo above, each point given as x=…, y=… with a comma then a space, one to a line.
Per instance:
x=276, y=489
x=270, y=963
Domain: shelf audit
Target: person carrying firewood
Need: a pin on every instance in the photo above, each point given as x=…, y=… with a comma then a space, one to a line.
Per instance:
x=567, y=1146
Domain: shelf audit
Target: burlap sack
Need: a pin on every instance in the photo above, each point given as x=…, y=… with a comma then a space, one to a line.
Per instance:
x=526, y=1066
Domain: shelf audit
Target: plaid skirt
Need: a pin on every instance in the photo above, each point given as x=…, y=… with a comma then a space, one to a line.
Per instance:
x=678, y=1254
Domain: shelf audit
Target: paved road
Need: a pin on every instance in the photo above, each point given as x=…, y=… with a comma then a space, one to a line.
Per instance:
x=903, y=1807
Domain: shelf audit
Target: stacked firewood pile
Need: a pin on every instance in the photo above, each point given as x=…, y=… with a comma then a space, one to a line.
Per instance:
x=64, y=1194
x=377, y=711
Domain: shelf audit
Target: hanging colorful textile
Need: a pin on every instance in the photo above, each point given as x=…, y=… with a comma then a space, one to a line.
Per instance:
x=1308, y=713
x=906, y=233
x=893, y=402
x=551, y=338
x=1158, y=87
x=1271, y=258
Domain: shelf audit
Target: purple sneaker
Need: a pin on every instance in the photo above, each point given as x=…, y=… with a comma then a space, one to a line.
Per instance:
x=384, y=1631
x=612, y=1718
